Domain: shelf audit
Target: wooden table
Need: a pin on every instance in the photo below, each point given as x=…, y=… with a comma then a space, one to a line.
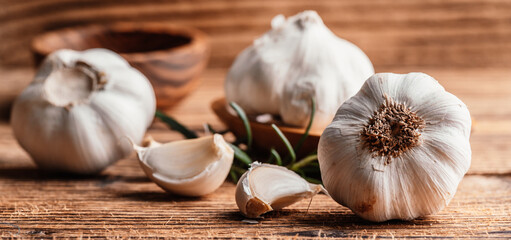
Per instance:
x=465, y=44
x=121, y=201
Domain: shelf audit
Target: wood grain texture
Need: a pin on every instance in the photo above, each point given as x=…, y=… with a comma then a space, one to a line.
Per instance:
x=464, y=44
x=122, y=202
x=458, y=33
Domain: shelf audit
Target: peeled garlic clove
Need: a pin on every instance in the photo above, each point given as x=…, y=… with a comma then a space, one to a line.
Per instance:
x=192, y=167
x=266, y=187
x=397, y=149
x=72, y=115
x=298, y=59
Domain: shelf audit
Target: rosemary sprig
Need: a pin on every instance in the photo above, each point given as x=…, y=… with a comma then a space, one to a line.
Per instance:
x=246, y=123
x=241, y=155
x=212, y=130
x=286, y=142
x=175, y=125
x=238, y=170
x=234, y=176
x=307, y=167
x=275, y=157
x=309, y=125
x=313, y=180
x=304, y=162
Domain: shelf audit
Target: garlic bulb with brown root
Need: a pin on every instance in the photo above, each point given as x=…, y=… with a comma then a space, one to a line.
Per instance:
x=298, y=59
x=192, y=167
x=266, y=187
x=71, y=117
x=397, y=149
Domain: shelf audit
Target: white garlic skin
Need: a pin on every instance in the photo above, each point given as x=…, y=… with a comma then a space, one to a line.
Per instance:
x=297, y=59
x=419, y=182
x=191, y=167
x=66, y=128
x=267, y=187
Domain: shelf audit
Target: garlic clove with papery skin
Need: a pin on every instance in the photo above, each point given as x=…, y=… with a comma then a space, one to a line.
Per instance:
x=72, y=115
x=266, y=187
x=397, y=149
x=192, y=167
x=298, y=59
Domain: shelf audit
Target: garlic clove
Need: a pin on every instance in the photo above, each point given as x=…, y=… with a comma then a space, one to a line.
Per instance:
x=192, y=167
x=266, y=187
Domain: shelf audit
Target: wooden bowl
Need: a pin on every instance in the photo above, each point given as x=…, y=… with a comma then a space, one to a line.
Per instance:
x=264, y=137
x=171, y=57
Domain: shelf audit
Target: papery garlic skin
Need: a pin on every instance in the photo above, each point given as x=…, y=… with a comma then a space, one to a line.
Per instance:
x=417, y=181
x=193, y=167
x=274, y=187
x=71, y=117
x=299, y=58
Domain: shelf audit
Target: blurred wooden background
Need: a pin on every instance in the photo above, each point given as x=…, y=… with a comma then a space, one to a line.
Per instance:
x=455, y=33
x=465, y=44
x=400, y=33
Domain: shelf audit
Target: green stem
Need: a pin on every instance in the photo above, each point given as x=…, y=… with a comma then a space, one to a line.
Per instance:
x=234, y=177
x=292, y=153
x=246, y=123
x=303, y=162
x=275, y=156
x=312, y=180
x=300, y=172
x=175, y=125
x=241, y=155
x=212, y=130
x=309, y=125
x=238, y=169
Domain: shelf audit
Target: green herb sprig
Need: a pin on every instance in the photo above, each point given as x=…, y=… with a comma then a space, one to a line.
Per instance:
x=307, y=167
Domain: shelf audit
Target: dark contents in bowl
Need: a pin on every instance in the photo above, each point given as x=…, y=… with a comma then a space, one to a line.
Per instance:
x=121, y=39
x=135, y=42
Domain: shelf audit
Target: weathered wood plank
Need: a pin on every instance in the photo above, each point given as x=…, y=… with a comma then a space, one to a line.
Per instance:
x=123, y=202
x=466, y=33
x=443, y=39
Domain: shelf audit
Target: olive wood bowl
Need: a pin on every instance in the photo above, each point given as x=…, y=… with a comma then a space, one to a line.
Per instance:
x=264, y=136
x=170, y=56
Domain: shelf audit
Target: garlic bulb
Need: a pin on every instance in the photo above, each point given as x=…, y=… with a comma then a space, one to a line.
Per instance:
x=71, y=117
x=265, y=187
x=398, y=149
x=193, y=167
x=299, y=58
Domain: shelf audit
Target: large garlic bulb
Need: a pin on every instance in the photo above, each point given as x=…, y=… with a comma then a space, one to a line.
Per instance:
x=398, y=149
x=71, y=117
x=299, y=58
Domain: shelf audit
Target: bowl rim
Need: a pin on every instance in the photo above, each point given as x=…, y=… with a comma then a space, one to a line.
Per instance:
x=263, y=133
x=220, y=106
x=198, y=39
